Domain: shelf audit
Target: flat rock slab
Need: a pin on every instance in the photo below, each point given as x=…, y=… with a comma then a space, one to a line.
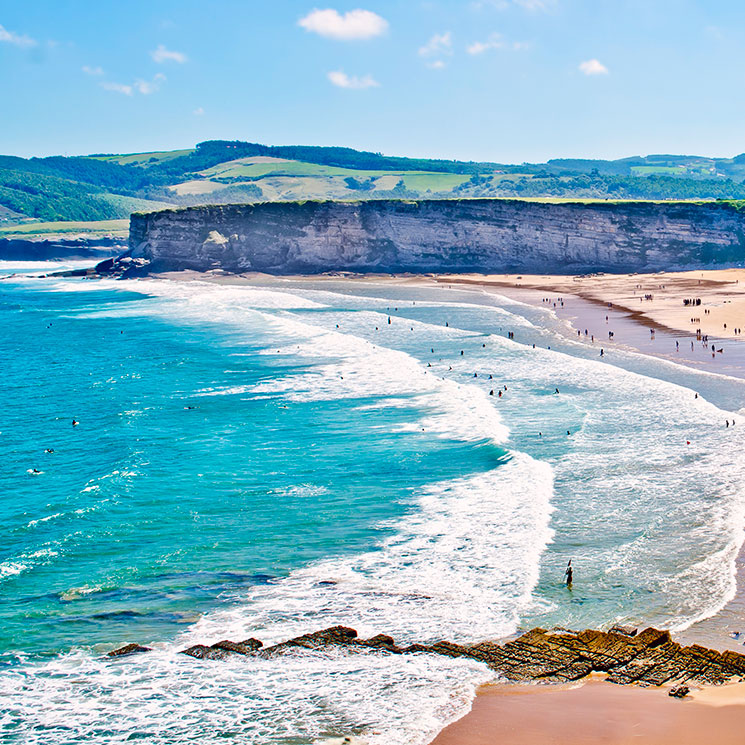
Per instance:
x=650, y=657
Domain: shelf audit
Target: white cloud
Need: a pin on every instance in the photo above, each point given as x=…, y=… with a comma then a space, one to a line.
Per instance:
x=593, y=67
x=144, y=87
x=118, y=88
x=355, y=24
x=438, y=64
x=20, y=40
x=198, y=111
x=342, y=80
x=495, y=41
x=438, y=45
x=95, y=71
x=161, y=54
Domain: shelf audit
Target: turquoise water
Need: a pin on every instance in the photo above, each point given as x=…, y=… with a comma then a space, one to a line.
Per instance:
x=270, y=460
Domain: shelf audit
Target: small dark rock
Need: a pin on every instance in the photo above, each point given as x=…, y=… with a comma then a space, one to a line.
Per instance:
x=128, y=649
x=623, y=630
x=679, y=692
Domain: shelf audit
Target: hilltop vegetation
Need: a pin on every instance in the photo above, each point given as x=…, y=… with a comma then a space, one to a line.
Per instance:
x=110, y=186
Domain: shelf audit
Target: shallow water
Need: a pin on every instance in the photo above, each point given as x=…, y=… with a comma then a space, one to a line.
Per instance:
x=269, y=460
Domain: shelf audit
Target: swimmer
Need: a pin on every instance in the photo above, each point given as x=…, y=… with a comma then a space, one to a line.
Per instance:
x=49, y=450
x=75, y=423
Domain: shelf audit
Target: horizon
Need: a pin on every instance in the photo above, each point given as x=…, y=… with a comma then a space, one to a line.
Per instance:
x=505, y=81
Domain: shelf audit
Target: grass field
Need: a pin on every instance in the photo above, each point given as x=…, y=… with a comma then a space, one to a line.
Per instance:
x=255, y=168
x=143, y=158
x=118, y=228
x=133, y=204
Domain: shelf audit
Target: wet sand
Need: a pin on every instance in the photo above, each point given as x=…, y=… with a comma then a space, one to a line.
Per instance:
x=654, y=298
x=585, y=302
x=599, y=712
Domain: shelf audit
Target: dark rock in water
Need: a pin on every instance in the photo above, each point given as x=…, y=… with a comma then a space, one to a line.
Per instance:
x=625, y=630
x=202, y=652
x=647, y=658
x=253, y=643
x=128, y=649
x=679, y=692
x=249, y=646
x=336, y=635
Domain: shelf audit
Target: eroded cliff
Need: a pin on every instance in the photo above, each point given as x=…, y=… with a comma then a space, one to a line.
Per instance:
x=482, y=235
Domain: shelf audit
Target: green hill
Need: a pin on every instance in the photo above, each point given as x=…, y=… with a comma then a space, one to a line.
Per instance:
x=107, y=187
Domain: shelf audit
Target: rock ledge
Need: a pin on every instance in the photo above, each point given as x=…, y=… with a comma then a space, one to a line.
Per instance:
x=650, y=657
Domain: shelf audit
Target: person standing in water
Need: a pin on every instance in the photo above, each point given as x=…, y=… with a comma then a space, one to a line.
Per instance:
x=568, y=574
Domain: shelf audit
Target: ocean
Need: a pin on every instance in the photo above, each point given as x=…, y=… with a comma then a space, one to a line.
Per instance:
x=269, y=459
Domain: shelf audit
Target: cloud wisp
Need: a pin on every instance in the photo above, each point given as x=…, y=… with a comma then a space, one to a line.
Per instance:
x=161, y=54
x=495, y=41
x=438, y=45
x=18, y=40
x=593, y=67
x=341, y=80
x=143, y=87
x=126, y=90
x=350, y=26
x=93, y=71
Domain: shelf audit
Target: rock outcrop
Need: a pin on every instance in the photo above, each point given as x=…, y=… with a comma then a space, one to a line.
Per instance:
x=480, y=235
x=26, y=249
x=647, y=658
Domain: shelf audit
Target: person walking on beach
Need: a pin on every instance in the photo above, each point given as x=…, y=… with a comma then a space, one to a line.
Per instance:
x=568, y=574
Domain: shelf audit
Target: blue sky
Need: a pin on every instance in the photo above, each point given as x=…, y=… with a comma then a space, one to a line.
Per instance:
x=501, y=80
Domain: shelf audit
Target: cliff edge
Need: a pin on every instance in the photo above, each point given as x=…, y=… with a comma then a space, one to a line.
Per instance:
x=472, y=235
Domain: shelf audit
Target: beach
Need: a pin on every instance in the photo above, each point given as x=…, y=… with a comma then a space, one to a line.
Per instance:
x=598, y=712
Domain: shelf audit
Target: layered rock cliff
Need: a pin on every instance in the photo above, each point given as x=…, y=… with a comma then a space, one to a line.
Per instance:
x=482, y=235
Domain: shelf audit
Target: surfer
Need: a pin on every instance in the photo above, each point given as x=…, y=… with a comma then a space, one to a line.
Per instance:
x=75, y=423
x=568, y=574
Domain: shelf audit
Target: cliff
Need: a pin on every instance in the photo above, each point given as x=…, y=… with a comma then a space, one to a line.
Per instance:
x=481, y=235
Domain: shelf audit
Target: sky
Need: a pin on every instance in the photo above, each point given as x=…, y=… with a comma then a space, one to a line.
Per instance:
x=509, y=81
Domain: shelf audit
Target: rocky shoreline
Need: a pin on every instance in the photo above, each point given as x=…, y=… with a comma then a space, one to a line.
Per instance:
x=647, y=658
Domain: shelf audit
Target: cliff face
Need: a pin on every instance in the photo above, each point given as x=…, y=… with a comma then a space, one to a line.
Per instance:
x=440, y=235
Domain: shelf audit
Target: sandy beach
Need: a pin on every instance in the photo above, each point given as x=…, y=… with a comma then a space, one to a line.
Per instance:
x=654, y=299
x=599, y=712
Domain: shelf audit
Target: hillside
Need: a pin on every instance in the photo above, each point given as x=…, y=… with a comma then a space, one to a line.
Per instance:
x=105, y=187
